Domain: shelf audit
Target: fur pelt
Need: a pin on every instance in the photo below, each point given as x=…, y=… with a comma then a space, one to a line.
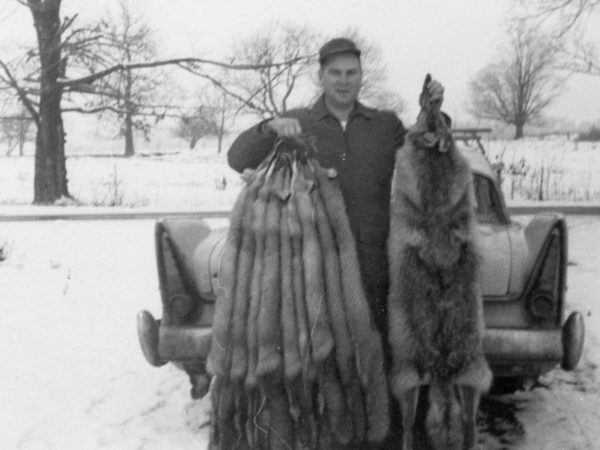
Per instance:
x=435, y=310
x=434, y=296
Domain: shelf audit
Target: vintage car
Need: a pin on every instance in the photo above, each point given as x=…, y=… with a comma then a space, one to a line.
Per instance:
x=523, y=281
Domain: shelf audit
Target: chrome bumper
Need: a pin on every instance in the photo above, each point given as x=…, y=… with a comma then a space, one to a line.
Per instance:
x=511, y=346
x=162, y=343
x=503, y=347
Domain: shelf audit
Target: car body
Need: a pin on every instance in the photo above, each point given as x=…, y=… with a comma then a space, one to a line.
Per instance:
x=523, y=283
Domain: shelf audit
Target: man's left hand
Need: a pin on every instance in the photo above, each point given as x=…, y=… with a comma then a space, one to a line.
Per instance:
x=436, y=92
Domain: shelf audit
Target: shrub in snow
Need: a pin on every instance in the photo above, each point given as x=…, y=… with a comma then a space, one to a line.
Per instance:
x=4, y=249
x=591, y=136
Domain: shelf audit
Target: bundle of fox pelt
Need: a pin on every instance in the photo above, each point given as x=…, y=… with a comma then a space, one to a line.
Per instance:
x=435, y=307
x=296, y=359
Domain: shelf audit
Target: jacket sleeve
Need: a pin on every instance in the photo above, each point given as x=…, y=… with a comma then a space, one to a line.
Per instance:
x=250, y=148
x=399, y=133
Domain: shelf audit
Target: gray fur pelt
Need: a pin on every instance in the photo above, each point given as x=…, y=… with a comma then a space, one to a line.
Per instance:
x=435, y=307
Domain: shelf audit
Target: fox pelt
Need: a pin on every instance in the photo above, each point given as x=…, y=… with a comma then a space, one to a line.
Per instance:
x=435, y=306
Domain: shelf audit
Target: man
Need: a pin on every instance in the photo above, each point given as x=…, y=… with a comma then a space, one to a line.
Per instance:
x=359, y=143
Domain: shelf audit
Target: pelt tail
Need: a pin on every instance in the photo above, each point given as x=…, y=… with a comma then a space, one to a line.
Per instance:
x=444, y=422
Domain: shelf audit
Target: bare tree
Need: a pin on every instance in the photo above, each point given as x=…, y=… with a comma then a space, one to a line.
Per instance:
x=568, y=13
x=14, y=130
x=375, y=90
x=132, y=96
x=42, y=92
x=520, y=84
x=194, y=126
x=268, y=90
x=567, y=20
x=210, y=118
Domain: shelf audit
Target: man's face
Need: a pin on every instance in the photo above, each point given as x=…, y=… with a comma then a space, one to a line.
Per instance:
x=341, y=77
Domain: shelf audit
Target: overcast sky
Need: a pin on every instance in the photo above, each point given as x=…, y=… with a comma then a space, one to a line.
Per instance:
x=451, y=39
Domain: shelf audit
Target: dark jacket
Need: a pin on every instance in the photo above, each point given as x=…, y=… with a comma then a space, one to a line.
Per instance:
x=363, y=156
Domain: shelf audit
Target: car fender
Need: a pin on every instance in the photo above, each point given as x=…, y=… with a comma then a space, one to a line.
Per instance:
x=538, y=234
x=185, y=283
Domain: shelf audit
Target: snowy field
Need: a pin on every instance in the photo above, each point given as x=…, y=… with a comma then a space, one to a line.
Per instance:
x=178, y=179
x=562, y=169
x=73, y=375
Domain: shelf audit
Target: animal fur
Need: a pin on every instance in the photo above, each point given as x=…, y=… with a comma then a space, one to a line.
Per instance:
x=318, y=317
x=344, y=349
x=292, y=362
x=219, y=358
x=258, y=228
x=366, y=339
x=308, y=369
x=269, y=349
x=435, y=307
x=239, y=356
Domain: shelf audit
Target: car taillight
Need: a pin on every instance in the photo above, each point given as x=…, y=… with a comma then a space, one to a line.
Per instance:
x=543, y=299
x=542, y=307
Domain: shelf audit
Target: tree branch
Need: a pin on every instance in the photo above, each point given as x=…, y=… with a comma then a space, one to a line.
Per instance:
x=21, y=93
x=176, y=61
x=244, y=101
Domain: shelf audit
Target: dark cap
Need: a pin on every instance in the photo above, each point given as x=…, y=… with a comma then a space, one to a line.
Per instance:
x=336, y=46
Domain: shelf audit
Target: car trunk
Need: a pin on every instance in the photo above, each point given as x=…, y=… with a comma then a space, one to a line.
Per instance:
x=496, y=265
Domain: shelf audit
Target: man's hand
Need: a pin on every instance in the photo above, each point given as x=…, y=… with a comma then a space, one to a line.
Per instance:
x=284, y=127
x=436, y=92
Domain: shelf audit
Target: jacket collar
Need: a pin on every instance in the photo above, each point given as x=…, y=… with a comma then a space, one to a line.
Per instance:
x=320, y=111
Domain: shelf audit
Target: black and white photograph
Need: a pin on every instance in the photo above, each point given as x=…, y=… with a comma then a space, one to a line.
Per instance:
x=334, y=224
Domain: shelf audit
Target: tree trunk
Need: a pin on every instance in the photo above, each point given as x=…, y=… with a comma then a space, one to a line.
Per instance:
x=221, y=131
x=129, y=148
x=519, y=130
x=541, y=186
x=50, y=179
x=22, y=140
x=220, y=141
x=23, y=128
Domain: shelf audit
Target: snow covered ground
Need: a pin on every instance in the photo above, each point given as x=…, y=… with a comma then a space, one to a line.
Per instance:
x=73, y=376
x=202, y=180
x=560, y=168
x=179, y=180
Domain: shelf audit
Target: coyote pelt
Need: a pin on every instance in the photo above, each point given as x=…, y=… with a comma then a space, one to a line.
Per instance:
x=435, y=306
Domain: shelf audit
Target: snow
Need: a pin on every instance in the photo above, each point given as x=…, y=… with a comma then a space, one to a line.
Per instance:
x=568, y=168
x=74, y=376
x=201, y=179
x=180, y=180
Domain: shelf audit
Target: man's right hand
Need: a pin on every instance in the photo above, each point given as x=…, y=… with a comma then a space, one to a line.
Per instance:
x=284, y=126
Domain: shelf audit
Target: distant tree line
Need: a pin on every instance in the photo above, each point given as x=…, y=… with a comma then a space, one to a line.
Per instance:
x=593, y=135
